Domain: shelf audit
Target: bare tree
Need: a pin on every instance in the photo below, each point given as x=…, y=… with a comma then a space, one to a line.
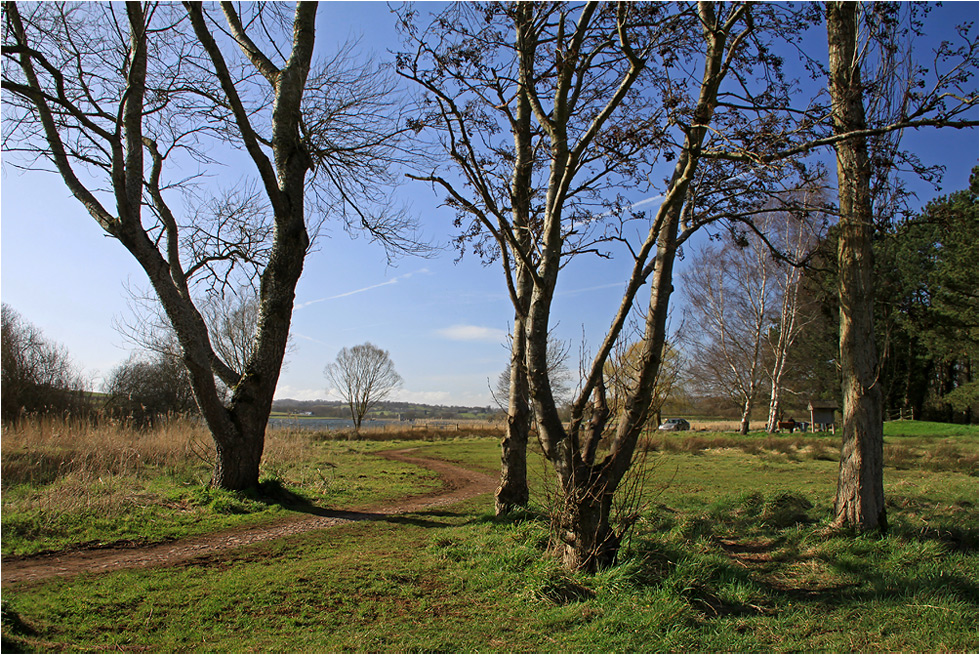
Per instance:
x=623, y=368
x=860, y=500
x=730, y=292
x=513, y=395
x=547, y=112
x=561, y=375
x=364, y=376
x=797, y=237
x=592, y=96
x=866, y=109
x=902, y=93
x=745, y=308
x=134, y=95
x=145, y=389
x=38, y=375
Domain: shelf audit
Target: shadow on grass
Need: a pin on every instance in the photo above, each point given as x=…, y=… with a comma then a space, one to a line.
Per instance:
x=780, y=571
x=273, y=492
x=14, y=631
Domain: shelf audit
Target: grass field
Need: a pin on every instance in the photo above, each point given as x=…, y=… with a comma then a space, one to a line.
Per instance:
x=731, y=554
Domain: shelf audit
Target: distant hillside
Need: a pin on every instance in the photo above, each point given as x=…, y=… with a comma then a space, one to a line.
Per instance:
x=393, y=409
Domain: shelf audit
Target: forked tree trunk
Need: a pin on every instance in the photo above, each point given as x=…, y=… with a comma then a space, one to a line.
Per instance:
x=860, y=501
x=136, y=164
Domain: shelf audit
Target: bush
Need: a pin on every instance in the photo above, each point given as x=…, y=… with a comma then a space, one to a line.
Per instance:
x=145, y=390
x=37, y=375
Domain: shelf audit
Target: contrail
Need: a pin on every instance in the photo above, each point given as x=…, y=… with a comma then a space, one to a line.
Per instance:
x=391, y=281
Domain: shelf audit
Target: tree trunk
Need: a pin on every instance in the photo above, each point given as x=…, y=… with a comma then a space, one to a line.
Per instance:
x=590, y=543
x=236, y=465
x=772, y=422
x=860, y=501
x=743, y=426
x=513, y=491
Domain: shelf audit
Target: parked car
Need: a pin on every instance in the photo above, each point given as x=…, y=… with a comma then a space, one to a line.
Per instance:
x=675, y=424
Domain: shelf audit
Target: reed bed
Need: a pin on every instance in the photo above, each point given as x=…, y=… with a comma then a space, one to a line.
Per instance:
x=39, y=450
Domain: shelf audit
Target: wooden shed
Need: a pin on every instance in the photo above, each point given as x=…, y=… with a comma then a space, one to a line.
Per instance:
x=822, y=414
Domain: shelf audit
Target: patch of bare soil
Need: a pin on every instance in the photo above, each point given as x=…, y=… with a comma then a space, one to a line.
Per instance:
x=458, y=484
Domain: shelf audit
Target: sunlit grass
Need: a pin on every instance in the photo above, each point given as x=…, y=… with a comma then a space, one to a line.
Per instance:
x=71, y=482
x=732, y=554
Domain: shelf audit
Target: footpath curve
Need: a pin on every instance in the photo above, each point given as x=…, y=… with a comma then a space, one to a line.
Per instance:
x=458, y=484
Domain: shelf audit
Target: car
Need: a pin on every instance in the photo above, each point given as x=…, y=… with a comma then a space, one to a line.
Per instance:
x=675, y=424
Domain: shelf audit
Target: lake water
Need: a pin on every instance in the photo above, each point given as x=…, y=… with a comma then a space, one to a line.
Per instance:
x=324, y=423
x=347, y=424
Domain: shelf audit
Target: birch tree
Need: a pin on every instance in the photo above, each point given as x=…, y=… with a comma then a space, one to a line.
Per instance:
x=745, y=308
x=731, y=293
x=798, y=238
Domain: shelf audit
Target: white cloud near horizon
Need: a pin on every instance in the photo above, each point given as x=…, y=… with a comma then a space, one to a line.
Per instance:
x=286, y=391
x=472, y=333
x=386, y=283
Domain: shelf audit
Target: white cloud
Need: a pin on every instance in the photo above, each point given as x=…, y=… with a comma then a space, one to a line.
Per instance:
x=472, y=333
x=284, y=391
x=423, y=397
x=463, y=399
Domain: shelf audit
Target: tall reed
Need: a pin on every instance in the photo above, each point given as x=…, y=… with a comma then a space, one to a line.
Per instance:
x=39, y=450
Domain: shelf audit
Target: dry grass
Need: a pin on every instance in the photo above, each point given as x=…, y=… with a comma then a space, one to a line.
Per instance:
x=38, y=451
x=427, y=431
x=796, y=448
x=725, y=426
x=71, y=481
x=937, y=457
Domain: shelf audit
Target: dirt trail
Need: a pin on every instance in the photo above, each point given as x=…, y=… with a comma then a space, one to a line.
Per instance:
x=458, y=484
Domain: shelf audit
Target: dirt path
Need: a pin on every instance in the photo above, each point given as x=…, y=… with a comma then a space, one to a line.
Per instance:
x=458, y=484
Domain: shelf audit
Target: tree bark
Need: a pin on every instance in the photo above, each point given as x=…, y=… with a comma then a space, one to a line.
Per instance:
x=236, y=465
x=590, y=542
x=860, y=501
x=588, y=487
x=743, y=425
x=513, y=490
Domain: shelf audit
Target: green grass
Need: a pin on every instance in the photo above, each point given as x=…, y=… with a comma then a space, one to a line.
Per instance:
x=153, y=505
x=732, y=554
x=931, y=430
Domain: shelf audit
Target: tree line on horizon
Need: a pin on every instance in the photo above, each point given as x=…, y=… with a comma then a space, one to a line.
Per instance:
x=532, y=120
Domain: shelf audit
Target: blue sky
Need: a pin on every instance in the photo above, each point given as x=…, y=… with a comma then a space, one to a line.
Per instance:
x=444, y=323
